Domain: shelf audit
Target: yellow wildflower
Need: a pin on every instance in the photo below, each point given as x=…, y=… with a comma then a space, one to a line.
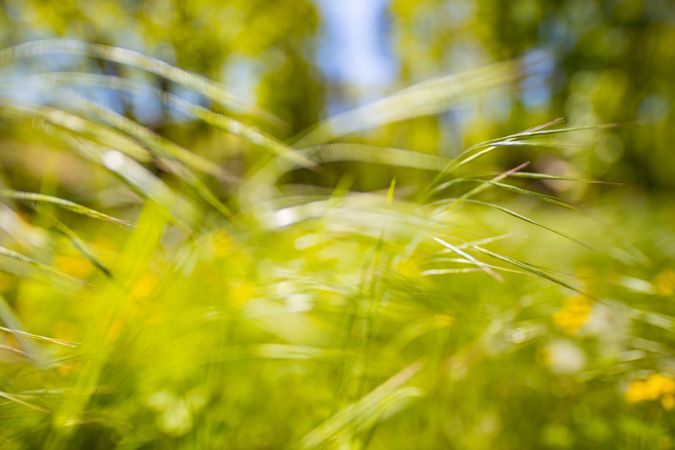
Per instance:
x=573, y=314
x=635, y=391
x=664, y=283
x=655, y=386
x=73, y=265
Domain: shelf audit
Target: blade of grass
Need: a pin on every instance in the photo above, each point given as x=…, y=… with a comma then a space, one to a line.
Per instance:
x=39, y=337
x=526, y=219
x=62, y=203
x=469, y=258
x=361, y=413
x=545, y=176
x=221, y=121
x=17, y=400
x=465, y=157
x=202, y=85
x=16, y=256
x=375, y=155
x=486, y=184
x=81, y=247
x=156, y=143
x=530, y=268
x=139, y=179
x=425, y=98
x=81, y=127
x=13, y=324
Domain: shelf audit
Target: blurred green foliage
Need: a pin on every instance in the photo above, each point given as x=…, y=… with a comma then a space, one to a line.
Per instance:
x=606, y=62
x=222, y=275
x=268, y=43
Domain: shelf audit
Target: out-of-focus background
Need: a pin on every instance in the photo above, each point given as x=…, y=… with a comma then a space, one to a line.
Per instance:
x=590, y=62
x=338, y=243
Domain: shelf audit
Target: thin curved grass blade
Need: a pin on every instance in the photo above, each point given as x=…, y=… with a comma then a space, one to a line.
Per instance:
x=362, y=413
x=139, y=179
x=81, y=246
x=221, y=121
x=80, y=127
x=389, y=156
x=486, y=185
x=425, y=98
x=35, y=264
x=15, y=399
x=62, y=203
x=157, y=144
x=202, y=85
x=530, y=268
x=538, y=195
x=546, y=176
x=39, y=337
x=482, y=266
x=29, y=348
x=526, y=219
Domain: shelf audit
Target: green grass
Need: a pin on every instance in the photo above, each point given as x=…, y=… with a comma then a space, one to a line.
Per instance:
x=251, y=294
